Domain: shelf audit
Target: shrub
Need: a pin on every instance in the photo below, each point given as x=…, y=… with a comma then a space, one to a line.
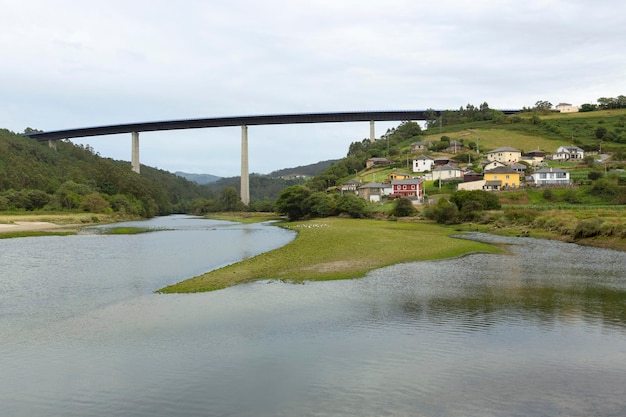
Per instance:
x=444, y=212
x=521, y=216
x=588, y=228
x=403, y=207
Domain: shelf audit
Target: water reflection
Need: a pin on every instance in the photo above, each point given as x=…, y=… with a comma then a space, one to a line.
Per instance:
x=539, y=331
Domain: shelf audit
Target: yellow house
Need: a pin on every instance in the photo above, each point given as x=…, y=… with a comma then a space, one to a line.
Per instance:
x=399, y=176
x=501, y=178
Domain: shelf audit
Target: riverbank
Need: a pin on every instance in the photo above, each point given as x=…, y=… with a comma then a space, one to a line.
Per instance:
x=41, y=224
x=337, y=248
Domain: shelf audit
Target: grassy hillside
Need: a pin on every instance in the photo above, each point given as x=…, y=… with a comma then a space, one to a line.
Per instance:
x=34, y=177
x=529, y=131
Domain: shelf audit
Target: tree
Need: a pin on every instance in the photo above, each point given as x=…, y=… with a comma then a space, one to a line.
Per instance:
x=352, y=205
x=320, y=204
x=587, y=107
x=94, y=203
x=230, y=200
x=291, y=202
x=403, y=207
x=444, y=212
x=543, y=106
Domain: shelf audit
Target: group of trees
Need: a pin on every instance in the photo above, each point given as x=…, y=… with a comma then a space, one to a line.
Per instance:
x=463, y=206
x=299, y=202
x=33, y=176
x=605, y=103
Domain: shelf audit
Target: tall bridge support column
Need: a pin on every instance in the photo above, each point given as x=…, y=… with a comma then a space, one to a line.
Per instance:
x=134, y=162
x=372, y=131
x=245, y=180
x=52, y=144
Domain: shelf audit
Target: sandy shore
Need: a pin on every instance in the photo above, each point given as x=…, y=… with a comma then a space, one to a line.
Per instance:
x=28, y=226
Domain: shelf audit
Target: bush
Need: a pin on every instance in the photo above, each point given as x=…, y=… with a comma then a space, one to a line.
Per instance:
x=594, y=175
x=487, y=200
x=444, y=212
x=521, y=216
x=353, y=206
x=588, y=228
x=403, y=207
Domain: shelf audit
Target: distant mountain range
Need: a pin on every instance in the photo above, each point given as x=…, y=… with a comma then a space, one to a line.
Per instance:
x=301, y=171
x=198, y=178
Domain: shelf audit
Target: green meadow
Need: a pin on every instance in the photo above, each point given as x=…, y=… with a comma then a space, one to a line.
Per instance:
x=337, y=248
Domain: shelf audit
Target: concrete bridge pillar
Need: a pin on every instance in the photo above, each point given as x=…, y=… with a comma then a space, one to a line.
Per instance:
x=372, y=131
x=135, y=152
x=245, y=180
x=52, y=144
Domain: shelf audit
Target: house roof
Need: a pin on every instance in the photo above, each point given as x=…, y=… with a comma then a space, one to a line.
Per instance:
x=505, y=149
x=373, y=185
x=493, y=183
x=570, y=149
x=502, y=170
x=518, y=166
x=424, y=157
x=407, y=181
x=498, y=163
x=447, y=167
x=543, y=170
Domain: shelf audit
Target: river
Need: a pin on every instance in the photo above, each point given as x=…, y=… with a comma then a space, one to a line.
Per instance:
x=539, y=331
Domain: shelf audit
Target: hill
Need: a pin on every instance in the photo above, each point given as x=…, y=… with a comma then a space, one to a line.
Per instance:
x=198, y=178
x=34, y=176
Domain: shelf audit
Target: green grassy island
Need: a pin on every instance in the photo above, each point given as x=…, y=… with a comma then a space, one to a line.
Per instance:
x=337, y=248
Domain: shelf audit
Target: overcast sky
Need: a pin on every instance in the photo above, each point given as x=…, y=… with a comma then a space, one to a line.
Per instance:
x=75, y=63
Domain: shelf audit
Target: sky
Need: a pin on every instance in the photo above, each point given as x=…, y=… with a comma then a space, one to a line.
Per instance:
x=74, y=63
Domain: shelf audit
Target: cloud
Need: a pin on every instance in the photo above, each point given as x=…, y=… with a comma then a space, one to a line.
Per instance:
x=73, y=64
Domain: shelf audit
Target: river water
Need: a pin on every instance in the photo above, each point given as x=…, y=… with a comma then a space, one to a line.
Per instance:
x=539, y=331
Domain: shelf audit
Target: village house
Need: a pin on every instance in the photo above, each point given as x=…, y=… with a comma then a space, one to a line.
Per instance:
x=377, y=161
x=492, y=165
x=566, y=108
x=374, y=191
x=412, y=188
x=505, y=155
x=442, y=160
x=455, y=146
x=551, y=176
x=423, y=163
x=399, y=176
x=471, y=176
x=521, y=168
x=501, y=178
x=447, y=172
x=419, y=146
x=350, y=186
x=567, y=153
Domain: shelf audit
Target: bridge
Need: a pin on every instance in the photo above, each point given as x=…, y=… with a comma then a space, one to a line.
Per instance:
x=244, y=121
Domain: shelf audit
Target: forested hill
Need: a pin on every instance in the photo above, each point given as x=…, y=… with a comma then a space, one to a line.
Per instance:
x=34, y=176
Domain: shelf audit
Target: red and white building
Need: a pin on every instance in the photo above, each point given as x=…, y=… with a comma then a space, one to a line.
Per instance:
x=412, y=188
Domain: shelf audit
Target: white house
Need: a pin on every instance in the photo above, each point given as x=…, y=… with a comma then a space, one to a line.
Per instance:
x=447, y=172
x=551, y=176
x=505, y=155
x=566, y=108
x=423, y=163
x=566, y=153
x=492, y=165
x=350, y=186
